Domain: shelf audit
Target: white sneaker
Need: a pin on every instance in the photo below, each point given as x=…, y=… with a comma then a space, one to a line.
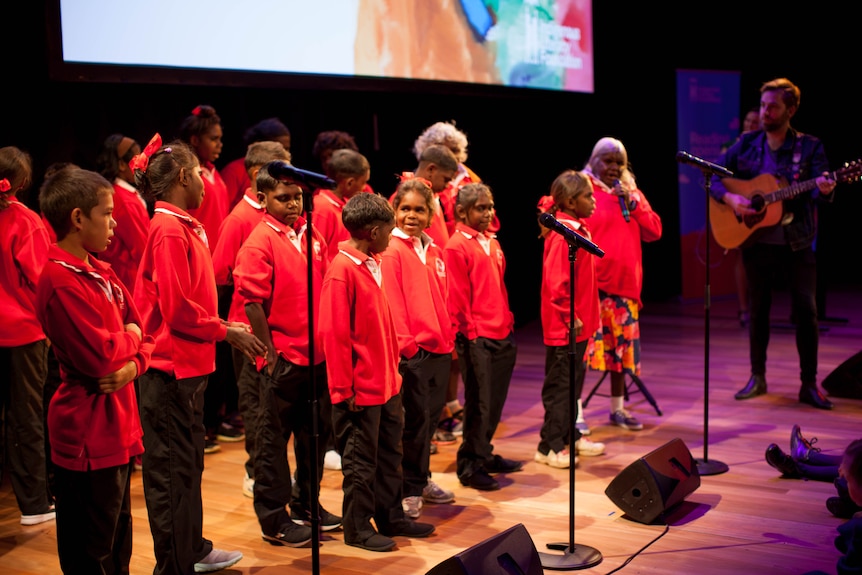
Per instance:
x=39, y=517
x=217, y=560
x=412, y=506
x=433, y=493
x=248, y=486
x=588, y=448
x=332, y=460
x=559, y=460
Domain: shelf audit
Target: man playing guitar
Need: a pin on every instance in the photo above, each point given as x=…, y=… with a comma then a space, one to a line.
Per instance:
x=787, y=246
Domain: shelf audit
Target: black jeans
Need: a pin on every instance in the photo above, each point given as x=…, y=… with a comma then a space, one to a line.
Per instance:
x=764, y=265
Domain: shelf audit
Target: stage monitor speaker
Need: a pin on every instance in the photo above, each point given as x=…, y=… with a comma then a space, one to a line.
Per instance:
x=656, y=482
x=511, y=552
x=846, y=379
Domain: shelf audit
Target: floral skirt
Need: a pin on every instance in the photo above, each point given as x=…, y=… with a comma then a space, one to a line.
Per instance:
x=620, y=349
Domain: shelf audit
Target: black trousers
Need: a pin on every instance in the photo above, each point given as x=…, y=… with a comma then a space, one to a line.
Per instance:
x=370, y=444
x=94, y=520
x=25, y=369
x=425, y=377
x=172, y=418
x=248, y=382
x=285, y=410
x=221, y=397
x=766, y=265
x=486, y=367
x=556, y=432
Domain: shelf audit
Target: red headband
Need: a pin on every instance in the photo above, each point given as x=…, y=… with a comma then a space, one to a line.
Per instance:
x=142, y=160
x=196, y=111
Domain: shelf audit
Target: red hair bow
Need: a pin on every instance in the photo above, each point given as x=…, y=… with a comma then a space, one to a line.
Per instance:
x=142, y=160
x=5, y=186
x=407, y=176
x=196, y=111
x=546, y=204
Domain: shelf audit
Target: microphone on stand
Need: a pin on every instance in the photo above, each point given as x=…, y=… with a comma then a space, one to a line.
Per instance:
x=706, y=167
x=571, y=236
x=283, y=171
x=623, y=204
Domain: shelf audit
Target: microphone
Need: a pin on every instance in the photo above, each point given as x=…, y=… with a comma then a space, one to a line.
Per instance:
x=571, y=236
x=284, y=171
x=686, y=158
x=623, y=204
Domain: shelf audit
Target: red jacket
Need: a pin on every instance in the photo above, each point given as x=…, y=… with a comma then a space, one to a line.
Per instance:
x=478, y=299
x=23, y=252
x=84, y=310
x=620, y=271
x=326, y=218
x=214, y=208
x=271, y=271
x=416, y=291
x=127, y=246
x=233, y=231
x=236, y=181
x=176, y=295
x=359, y=338
x=556, y=287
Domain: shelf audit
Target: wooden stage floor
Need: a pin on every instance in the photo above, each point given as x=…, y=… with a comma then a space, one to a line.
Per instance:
x=746, y=520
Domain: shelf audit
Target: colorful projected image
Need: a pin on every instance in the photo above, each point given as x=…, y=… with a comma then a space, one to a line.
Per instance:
x=544, y=44
x=534, y=44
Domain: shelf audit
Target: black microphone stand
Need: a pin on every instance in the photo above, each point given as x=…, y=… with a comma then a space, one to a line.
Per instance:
x=314, y=501
x=705, y=466
x=574, y=556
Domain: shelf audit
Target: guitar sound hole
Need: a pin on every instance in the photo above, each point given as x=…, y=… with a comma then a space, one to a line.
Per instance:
x=757, y=203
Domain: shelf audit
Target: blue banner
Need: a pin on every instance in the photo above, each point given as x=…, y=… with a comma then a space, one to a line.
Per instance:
x=707, y=118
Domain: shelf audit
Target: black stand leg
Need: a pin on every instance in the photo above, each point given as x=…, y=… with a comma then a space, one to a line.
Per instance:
x=704, y=465
x=574, y=556
x=643, y=389
x=595, y=388
x=637, y=381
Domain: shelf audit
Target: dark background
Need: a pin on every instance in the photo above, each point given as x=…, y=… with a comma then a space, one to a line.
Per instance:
x=519, y=139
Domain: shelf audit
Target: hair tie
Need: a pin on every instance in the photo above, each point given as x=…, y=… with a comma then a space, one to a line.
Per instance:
x=5, y=186
x=142, y=160
x=196, y=111
x=407, y=176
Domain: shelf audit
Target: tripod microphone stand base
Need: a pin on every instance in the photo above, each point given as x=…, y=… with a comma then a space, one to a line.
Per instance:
x=710, y=466
x=573, y=558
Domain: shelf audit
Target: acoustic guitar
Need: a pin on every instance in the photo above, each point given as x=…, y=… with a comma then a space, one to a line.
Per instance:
x=733, y=231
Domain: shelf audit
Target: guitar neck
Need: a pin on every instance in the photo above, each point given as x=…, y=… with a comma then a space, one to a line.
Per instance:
x=793, y=190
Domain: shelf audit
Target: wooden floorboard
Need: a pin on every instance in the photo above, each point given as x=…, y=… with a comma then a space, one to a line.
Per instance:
x=747, y=520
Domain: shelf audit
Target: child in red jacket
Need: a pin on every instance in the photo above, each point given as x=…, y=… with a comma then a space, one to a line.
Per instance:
x=93, y=420
x=361, y=348
x=24, y=348
x=485, y=344
x=273, y=285
x=176, y=294
x=573, y=200
x=233, y=232
x=414, y=279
